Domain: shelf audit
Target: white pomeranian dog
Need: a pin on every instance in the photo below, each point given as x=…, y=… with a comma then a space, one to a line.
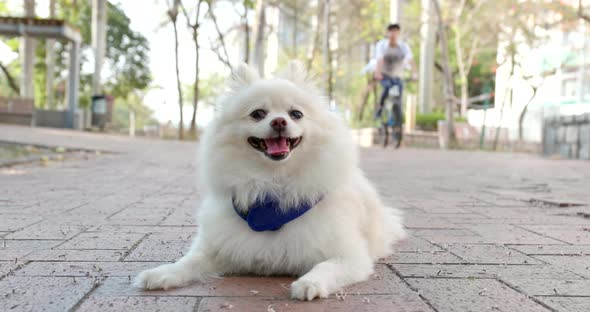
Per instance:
x=282, y=193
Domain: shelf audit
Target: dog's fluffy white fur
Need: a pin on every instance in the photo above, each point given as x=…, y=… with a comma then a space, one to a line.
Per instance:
x=332, y=245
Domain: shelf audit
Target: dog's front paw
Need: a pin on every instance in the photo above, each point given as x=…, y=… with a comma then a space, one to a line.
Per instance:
x=308, y=290
x=163, y=277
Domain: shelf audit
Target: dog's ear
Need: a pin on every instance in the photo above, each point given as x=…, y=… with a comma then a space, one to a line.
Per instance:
x=295, y=72
x=242, y=76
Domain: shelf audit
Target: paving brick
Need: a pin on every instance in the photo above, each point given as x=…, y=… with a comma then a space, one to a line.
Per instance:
x=473, y=295
x=422, y=257
x=486, y=253
x=139, y=216
x=552, y=249
x=508, y=234
x=577, y=264
x=13, y=222
x=231, y=286
x=103, y=240
x=159, y=250
x=484, y=271
x=7, y=267
x=12, y=249
x=75, y=255
x=552, y=287
x=416, y=244
x=47, y=231
x=72, y=268
x=43, y=293
x=139, y=304
x=570, y=234
x=145, y=195
x=384, y=281
x=570, y=304
x=448, y=235
x=417, y=221
x=371, y=303
x=182, y=216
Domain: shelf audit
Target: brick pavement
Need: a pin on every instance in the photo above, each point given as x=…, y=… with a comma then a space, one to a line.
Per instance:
x=487, y=232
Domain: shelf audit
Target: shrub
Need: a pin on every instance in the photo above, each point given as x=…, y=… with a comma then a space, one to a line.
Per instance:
x=429, y=121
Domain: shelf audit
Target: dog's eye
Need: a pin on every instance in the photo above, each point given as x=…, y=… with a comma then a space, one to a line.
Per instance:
x=295, y=114
x=258, y=114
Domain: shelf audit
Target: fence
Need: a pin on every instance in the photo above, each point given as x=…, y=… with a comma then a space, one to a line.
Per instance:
x=567, y=136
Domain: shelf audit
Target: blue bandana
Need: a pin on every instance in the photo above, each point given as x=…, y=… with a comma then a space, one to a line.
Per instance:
x=265, y=215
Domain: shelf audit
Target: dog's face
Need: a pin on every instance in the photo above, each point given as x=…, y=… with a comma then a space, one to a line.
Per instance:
x=273, y=119
x=269, y=133
x=275, y=123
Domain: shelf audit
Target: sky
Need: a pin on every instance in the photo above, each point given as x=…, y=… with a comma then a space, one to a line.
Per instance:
x=148, y=17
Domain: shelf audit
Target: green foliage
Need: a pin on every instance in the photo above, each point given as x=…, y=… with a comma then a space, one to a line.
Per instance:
x=209, y=89
x=375, y=14
x=123, y=106
x=429, y=121
x=126, y=54
x=249, y=4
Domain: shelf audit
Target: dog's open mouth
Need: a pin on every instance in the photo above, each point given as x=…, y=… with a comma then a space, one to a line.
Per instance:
x=275, y=148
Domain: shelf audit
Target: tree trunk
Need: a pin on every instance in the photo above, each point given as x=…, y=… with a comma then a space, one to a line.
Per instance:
x=523, y=114
x=509, y=93
x=50, y=63
x=448, y=78
x=327, y=52
x=365, y=97
x=246, y=33
x=259, y=50
x=317, y=33
x=464, y=96
x=173, y=14
x=460, y=60
x=294, y=34
x=462, y=75
x=27, y=54
x=195, y=30
x=11, y=82
x=131, y=120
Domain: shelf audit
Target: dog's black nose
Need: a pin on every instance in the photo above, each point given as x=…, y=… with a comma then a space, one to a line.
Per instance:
x=278, y=124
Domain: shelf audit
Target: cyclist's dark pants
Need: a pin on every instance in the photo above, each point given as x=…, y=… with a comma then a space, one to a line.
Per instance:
x=387, y=83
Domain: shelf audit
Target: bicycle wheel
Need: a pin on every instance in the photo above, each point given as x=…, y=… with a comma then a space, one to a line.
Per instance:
x=397, y=129
x=385, y=132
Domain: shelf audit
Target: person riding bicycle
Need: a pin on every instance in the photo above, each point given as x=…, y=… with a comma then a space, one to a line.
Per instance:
x=393, y=56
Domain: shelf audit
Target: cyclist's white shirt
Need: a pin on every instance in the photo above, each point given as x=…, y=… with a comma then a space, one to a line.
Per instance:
x=396, y=58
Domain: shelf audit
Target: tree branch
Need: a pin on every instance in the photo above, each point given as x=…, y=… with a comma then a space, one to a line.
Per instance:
x=581, y=13
x=472, y=53
x=215, y=49
x=11, y=81
x=220, y=34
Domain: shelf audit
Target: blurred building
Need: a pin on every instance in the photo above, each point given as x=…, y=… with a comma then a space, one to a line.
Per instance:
x=558, y=66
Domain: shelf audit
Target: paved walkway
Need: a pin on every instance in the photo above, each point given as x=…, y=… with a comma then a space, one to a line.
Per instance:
x=489, y=232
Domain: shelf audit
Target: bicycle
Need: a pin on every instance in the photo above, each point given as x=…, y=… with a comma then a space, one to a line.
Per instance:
x=392, y=118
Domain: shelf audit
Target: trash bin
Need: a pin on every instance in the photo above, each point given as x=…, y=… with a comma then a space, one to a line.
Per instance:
x=99, y=111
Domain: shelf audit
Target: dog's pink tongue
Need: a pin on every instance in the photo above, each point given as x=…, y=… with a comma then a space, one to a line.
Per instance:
x=276, y=146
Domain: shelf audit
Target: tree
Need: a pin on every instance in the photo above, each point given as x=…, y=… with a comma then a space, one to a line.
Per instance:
x=49, y=63
x=448, y=79
x=220, y=48
x=11, y=82
x=173, y=16
x=194, y=27
x=520, y=31
x=581, y=12
x=467, y=43
x=259, y=50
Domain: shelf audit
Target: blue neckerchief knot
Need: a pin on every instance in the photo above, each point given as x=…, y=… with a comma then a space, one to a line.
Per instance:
x=265, y=215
